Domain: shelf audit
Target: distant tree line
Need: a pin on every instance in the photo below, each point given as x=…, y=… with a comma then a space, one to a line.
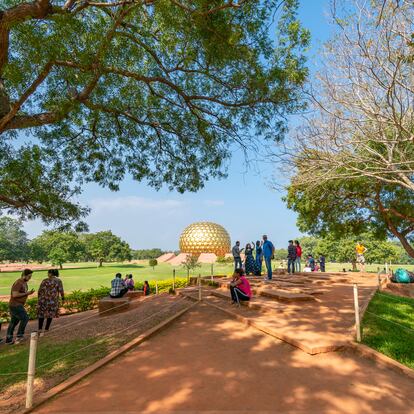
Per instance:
x=343, y=250
x=60, y=247
x=143, y=254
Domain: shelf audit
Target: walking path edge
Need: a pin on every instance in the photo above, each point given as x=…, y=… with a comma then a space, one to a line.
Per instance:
x=53, y=392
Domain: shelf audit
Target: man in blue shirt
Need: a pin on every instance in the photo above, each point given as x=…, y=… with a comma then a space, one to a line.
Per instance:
x=268, y=252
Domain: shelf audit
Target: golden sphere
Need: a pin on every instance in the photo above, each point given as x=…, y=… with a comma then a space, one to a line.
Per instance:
x=205, y=237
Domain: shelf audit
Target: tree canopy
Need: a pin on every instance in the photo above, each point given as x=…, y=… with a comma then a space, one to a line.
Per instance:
x=13, y=240
x=58, y=247
x=158, y=89
x=106, y=246
x=352, y=159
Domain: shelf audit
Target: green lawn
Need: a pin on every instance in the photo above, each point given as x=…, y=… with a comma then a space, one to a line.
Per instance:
x=388, y=327
x=89, y=276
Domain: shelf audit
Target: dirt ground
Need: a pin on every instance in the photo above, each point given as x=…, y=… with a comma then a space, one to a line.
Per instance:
x=208, y=362
x=89, y=324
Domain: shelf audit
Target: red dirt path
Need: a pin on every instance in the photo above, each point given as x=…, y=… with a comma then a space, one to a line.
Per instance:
x=206, y=361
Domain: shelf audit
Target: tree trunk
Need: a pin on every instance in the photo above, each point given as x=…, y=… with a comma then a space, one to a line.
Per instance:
x=100, y=262
x=354, y=266
x=60, y=266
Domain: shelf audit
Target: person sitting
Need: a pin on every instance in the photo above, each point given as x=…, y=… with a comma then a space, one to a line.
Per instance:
x=240, y=287
x=118, y=288
x=310, y=263
x=146, y=288
x=129, y=282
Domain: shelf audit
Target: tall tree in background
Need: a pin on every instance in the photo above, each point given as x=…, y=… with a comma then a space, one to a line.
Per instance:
x=105, y=246
x=160, y=89
x=13, y=240
x=353, y=158
x=58, y=247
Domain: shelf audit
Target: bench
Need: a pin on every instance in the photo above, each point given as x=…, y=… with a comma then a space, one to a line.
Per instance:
x=109, y=306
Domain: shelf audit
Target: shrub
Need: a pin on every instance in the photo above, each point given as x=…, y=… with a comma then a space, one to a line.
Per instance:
x=77, y=301
x=153, y=263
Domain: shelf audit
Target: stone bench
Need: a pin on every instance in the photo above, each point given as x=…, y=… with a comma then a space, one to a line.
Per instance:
x=134, y=294
x=109, y=306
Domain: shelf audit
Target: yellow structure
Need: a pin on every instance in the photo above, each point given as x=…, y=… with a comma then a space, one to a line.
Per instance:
x=205, y=237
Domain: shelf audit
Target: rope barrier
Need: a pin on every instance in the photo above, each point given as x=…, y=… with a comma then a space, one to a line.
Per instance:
x=80, y=320
x=113, y=334
x=393, y=322
x=399, y=299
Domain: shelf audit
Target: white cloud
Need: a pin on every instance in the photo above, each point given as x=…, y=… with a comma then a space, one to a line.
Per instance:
x=214, y=203
x=133, y=202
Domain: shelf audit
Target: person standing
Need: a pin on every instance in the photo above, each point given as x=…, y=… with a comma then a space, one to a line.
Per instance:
x=268, y=252
x=259, y=257
x=48, y=299
x=291, y=257
x=118, y=288
x=360, y=258
x=298, y=256
x=249, y=262
x=236, y=255
x=18, y=315
x=322, y=262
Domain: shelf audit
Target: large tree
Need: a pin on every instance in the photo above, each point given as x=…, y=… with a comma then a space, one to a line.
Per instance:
x=353, y=157
x=106, y=246
x=13, y=240
x=160, y=89
x=58, y=247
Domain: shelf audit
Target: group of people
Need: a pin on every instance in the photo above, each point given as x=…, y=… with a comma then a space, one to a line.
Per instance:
x=121, y=286
x=48, y=301
x=50, y=290
x=263, y=249
x=294, y=260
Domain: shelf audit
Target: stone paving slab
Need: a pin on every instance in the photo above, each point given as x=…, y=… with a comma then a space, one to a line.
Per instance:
x=208, y=362
x=323, y=324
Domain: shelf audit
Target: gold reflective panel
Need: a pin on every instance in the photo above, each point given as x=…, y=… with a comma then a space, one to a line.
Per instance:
x=205, y=237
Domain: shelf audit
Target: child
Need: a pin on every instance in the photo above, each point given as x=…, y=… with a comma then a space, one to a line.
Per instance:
x=146, y=288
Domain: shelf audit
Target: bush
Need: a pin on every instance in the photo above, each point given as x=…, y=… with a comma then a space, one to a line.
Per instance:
x=164, y=285
x=77, y=301
x=223, y=260
x=153, y=263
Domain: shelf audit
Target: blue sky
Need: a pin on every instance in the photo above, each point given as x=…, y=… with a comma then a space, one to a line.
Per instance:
x=244, y=203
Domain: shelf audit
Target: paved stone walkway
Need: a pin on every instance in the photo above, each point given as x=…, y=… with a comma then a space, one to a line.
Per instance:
x=209, y=362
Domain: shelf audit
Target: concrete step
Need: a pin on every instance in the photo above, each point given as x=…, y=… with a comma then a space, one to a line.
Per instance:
x=277, y=294
x=259, y=303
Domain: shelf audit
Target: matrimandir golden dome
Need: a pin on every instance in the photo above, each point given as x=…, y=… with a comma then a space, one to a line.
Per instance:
x=205, y=237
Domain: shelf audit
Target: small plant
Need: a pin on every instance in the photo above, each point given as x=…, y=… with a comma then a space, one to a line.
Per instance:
x=190, y=263
x=153, y=263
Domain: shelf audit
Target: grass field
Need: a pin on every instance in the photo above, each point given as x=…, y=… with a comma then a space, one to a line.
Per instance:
x=88, y=275
x=388, y=327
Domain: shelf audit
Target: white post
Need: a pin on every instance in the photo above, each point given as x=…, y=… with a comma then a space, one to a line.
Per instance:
x=357, y=323
x=174, y=279
x=156, y=287
x=386, y=268
x=379, y=280
x=199, y=287
x=31, y=370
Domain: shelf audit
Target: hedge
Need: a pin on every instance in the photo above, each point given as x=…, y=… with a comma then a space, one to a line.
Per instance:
x=81, y=301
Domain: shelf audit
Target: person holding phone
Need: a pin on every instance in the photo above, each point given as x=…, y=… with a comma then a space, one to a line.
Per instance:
x=18, y=315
